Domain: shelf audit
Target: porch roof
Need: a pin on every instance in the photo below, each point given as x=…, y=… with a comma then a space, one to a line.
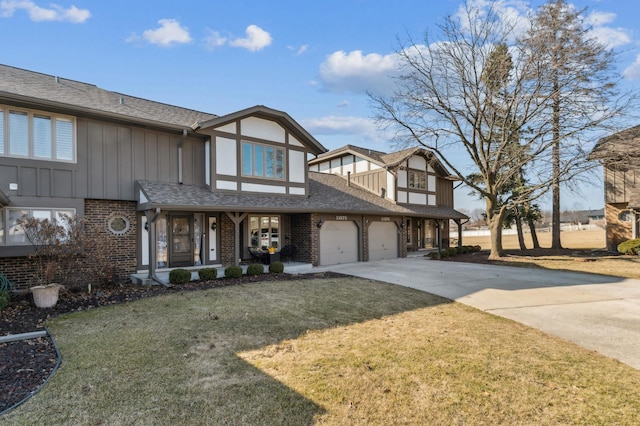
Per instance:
x=328, y=194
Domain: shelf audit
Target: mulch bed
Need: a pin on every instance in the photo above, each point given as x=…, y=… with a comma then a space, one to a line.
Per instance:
x=27, y=364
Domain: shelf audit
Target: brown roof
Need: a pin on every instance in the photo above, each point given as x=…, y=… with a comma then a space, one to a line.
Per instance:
x=328, y=194
x=76, y=97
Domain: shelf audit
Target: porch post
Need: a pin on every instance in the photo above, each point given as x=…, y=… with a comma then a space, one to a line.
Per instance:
x=236, y=218
x=459, y=222
x=153, y=256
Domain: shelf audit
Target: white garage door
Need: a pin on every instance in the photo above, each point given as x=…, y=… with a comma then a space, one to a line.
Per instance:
x=383, y=240
x=338, y=242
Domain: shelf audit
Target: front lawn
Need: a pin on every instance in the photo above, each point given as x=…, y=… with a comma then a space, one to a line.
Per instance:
x=328, y=351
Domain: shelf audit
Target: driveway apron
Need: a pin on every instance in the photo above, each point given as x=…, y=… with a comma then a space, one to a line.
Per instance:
x=597, y=312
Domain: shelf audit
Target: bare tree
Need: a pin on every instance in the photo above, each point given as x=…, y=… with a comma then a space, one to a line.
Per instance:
x=473, y=90
x=578, y=82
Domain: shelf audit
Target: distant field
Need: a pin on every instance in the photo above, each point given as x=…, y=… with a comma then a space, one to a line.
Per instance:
x=592, y=239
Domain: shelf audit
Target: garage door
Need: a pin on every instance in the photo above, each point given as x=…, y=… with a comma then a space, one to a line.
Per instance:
x=338, y=242
x=383, y=240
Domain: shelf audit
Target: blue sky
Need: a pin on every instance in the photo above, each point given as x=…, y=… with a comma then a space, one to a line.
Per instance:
x=313, y=59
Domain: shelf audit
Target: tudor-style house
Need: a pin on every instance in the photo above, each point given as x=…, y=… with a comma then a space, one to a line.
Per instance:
x=620, y=156
x=174, y=187
x=412, y=178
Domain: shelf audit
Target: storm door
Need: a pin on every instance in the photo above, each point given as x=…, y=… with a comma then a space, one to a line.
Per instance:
x=181, y=240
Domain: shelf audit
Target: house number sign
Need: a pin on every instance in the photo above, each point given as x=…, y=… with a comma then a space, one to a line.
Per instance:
x=385, y=219
x=342, y=218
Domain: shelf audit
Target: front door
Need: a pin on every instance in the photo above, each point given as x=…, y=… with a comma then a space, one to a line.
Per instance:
x=180, y=240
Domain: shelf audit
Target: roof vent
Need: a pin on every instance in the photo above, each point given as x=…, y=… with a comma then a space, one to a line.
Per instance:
x=121, y=100
x=57, y=79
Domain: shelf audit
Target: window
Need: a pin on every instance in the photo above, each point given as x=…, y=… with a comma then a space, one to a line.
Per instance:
x=262, y=161
x=626, y=216
x=417, y=179
x=14, y=234
x=118, y=224
x=264, y=232
x=36, y=135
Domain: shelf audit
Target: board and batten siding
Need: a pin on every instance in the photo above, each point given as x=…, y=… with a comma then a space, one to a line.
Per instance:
x=110, y=158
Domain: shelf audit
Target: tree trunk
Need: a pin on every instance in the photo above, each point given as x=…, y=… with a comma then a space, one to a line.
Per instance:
x=555, y=159
x=534, y=235
x=518, y=220
x=494, y=220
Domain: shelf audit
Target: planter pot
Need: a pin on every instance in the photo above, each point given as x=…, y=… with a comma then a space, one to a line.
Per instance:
x=45, y=296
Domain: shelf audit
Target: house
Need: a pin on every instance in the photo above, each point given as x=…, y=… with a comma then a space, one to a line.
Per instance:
x=620, y=156
x=412, y=178
x=174, y=187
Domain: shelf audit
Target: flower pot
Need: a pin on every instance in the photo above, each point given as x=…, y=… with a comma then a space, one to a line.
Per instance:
x=45, y=296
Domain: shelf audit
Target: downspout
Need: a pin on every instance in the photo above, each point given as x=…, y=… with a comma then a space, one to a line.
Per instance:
x=153, y=257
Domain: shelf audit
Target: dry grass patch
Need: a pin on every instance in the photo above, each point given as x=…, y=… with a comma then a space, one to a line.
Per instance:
x=586, y=258
x=327, y=351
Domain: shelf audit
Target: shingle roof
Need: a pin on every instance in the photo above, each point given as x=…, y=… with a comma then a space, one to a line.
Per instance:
x=328, y=194
x=43, y=89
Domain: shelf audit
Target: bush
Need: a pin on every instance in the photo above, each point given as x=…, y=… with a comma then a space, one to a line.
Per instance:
x=629, y=247
x=207, y=274
x=453, y=251
x=255, y=269
x=476, y=248
x=4, y=299
x=179, y=276
x=444, y=254
x=233, y=271
x=276, y=268
x=435, y=255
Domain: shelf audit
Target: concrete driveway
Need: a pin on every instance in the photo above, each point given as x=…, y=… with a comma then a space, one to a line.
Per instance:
x=594, y=311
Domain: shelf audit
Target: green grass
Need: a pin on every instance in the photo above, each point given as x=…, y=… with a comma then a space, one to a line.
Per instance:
x=326, y=351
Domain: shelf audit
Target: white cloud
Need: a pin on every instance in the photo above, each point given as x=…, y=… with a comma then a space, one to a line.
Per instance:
x=354, y=72
x=214, y=39
x=256, y=39
x=40, y=14
x=608, y=36
x=339, y=125
x=299, y=50
x=632, y=72
x=169, y=33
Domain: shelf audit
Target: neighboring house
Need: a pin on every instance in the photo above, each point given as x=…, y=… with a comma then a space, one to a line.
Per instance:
x=412, y=178
x=620, y=155
x=176, y=187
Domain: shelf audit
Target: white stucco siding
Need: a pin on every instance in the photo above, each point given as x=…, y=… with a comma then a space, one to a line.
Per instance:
x=256, y=187
x=402, y=197
x=297, y=191
x=228, y=185
x=415, y=198
x=431, y=200
x=417, y=163
x=228, y=128
x=402, y=178
x=362, y=165
x=262, y=129
x=431, y=183
x=430, y=169
x=297, y=166
x=313, y=168
x=295, y=142
x=391, y=186
x=335, y=166
x=347, y=165
x=226, y=157
x=324, y=167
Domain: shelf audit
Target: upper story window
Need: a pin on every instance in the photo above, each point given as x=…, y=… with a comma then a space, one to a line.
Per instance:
x=262, y=160
x=37, y=135
x=417, y=179
x=13, y=234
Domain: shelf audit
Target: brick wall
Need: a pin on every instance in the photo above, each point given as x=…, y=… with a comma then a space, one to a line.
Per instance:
x=301, y=236
x=122, y=248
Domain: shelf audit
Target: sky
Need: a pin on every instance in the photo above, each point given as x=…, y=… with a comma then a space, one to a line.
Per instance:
x=315, y=60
